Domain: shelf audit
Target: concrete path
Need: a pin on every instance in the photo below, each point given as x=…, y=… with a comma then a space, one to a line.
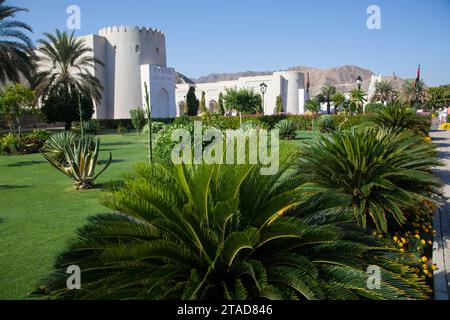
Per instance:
x=441, y=246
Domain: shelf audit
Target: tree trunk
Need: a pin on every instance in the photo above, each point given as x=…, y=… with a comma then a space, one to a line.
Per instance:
x=328, y=107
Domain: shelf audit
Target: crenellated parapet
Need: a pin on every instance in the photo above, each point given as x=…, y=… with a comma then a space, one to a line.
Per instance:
x=108, y=31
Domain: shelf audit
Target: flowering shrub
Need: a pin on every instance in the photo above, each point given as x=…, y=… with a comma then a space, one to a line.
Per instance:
x=445, y=126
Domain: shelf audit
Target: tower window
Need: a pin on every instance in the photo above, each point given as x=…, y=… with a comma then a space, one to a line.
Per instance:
x=157, y=50
x=115, y=49
x=137, y=49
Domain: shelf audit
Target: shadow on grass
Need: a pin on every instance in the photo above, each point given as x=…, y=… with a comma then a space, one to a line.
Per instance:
x=12, y=187
x=25, y=163
x=119, y=143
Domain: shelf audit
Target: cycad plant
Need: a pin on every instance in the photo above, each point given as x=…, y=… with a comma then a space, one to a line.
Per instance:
x=398, y=117
x=288, y=129
x=378, y=174
x=79, y=162
x=224, y=233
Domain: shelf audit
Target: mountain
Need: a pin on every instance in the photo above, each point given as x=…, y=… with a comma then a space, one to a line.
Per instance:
x=344, y=78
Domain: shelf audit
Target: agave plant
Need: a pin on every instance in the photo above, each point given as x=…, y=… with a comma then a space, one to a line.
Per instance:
x=202, y=232
x=288, y=129
x=398, y=117
x=55, y=145
x=79, y=162
x=377, y=174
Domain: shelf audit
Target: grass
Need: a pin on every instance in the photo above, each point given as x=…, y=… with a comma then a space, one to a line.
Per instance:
x=39, y=211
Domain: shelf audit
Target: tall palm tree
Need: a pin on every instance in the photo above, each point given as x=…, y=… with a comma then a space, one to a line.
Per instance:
x=357, y=100
x=325, y=95
x=203, y=233
x=65, y=63
x=15, y=46
x=414, y=93
x=338, y=100
x=384, y=92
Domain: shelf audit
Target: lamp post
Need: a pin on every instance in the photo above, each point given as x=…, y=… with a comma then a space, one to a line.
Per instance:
x=263, y=88
x=359, y=81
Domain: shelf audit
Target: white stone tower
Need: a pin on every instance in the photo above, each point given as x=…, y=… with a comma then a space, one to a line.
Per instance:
x=126, y=52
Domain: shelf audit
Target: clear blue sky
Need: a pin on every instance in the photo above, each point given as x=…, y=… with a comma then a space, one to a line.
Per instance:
x=205, y=36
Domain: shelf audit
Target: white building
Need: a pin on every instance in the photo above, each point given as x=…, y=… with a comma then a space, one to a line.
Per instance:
x=290, y=85
x=132, y=56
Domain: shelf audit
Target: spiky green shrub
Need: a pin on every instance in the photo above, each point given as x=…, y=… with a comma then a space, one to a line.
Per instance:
x=80, y=161
x=89, y=127
x=203, y=232
x=327, y=124
x=376, y=173
x=288, y=129
x=55, y=145
x=398, y=117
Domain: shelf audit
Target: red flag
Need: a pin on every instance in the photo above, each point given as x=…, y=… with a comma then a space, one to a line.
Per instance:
x=417, y=78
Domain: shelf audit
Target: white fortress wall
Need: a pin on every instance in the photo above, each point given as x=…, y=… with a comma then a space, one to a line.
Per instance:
x=128, y=48
x=161, y=83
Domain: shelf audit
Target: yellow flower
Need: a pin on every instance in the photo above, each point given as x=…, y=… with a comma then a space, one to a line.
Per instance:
x=424, y=259
x=424, y=242
x=374, y=234
x=395, y=239
x=401, y=245
x=402, y=250
x=404, y=241
x=434, y=268
x=425, y=266
x=426, y=272
x=430, y=242
x=417, y=236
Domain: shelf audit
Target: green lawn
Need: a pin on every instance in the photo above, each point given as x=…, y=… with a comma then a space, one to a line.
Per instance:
x=39, y=211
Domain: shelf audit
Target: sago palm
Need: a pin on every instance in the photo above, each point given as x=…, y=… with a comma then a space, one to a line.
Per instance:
x=224, y=233
x=398, y=117
x=377, y=173
x=15, y=45
x=414, y=93
x=66, y=64
x=325, y=95
x=384, y=92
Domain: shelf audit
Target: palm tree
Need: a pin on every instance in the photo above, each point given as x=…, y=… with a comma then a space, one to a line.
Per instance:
x=202, y=232
x=65, y=63
x=313, y=106
x=15, y=46
x=325, y=95
x=378, y=174
x=357, y=100
x=384, y=92
x=338, y=100
x=414, y=93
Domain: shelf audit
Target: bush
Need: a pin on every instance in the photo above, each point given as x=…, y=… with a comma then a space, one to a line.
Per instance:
x=156, y=127
x=29, y=143
x=397, y=118
x=327, y=124
x=287, y=129
x=138, y=119
x=11, y=144
x=89, y=127
x=121, y=130
x=374, y=107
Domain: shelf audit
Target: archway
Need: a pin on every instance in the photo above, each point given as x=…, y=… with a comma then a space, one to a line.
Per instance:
x=213, y=106
x=162, y=107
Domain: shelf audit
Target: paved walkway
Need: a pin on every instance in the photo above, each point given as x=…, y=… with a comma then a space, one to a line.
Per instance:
x=441, y=247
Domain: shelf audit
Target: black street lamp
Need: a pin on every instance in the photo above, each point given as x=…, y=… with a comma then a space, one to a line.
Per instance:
x=359, y=81
x=263, y=88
